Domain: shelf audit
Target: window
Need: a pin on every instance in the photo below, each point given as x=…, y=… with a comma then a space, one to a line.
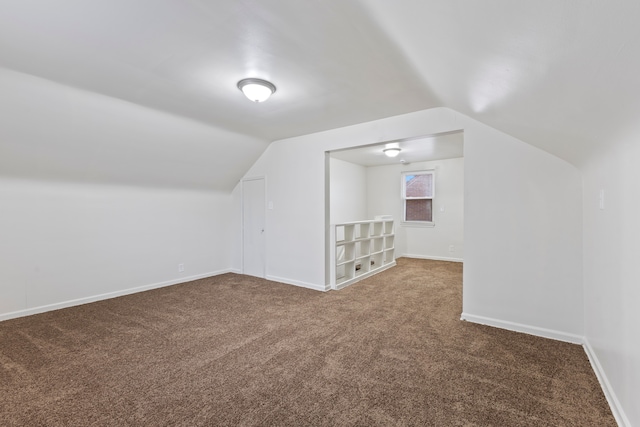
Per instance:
x=417, y=195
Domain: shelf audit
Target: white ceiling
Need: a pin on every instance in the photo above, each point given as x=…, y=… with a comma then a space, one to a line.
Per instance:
x=438, y=147
x=559, y=74
x=331, y=64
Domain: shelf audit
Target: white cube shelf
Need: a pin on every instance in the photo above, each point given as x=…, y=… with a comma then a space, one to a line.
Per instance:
x=361, y=249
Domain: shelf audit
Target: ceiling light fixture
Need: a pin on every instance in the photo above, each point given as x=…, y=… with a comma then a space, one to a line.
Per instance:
x=391, y=152
x=256, y=90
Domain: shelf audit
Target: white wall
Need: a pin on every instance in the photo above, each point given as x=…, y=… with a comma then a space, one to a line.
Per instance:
x=523, y=231
x=612, y=270
x=348, y=192
x=522, y=219
x=417, y=241
x=99, y=196
x=66, y=243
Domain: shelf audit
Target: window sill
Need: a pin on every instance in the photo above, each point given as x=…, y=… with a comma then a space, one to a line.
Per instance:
x=418, y=224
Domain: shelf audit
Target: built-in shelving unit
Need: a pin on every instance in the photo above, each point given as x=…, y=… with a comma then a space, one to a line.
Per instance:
x=361, y=249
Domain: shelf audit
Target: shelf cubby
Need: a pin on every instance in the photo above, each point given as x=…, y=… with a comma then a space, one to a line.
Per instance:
x=361, y=231
x=344, y=233
x=377, y=244
x=345, y=251
x=363, y=265
x=389, y=256
x=377, y=260
x=347, y=272
x=376, y=228
x=363, y=247
x=388, y=241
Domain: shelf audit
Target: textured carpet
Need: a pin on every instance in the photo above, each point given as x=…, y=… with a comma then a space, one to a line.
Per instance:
x=236, y=350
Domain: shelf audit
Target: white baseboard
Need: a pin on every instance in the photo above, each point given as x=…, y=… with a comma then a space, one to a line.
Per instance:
x=100, y=297
x=612, y=400
x=527, y=329
x=235, y=270
x=435, y=258
x=609, y=394
x=322, y=288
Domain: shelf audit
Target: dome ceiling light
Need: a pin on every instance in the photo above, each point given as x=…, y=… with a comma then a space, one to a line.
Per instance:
x=391, y=152
x=257, y=90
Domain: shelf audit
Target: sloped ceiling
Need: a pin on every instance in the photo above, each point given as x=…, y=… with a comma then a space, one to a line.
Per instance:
x=562, y=75
x=332, y=66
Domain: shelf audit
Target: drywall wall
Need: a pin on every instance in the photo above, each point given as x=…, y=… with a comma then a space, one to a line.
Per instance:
x=414, y=240
x=68, y=243
x=348, y=183
x=522, y=233
x=99, y=196
x=522, y=219
x=611, y=270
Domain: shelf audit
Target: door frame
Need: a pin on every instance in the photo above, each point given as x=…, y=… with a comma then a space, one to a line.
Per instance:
x=264, y=248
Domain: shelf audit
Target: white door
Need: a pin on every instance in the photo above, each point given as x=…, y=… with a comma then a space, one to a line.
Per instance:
x=253, y=223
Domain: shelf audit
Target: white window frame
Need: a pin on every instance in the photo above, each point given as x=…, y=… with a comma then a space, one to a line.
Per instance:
x=405, y=198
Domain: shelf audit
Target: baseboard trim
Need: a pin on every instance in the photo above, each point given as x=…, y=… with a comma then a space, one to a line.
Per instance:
x=108, y=295
x=435, y=258
x=526, y=329
x=321, y=288
x=609, y=394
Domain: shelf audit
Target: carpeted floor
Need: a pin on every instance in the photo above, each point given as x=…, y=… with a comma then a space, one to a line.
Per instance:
x=236, y=350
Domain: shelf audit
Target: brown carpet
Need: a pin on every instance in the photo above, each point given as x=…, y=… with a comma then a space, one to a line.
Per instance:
x=236, y=350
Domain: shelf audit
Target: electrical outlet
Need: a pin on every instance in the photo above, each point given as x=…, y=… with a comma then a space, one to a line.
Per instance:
x=180, y=268
x=452, y=249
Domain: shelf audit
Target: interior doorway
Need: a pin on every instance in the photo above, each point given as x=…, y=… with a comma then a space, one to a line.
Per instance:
x=253, y=227
x=364, y=182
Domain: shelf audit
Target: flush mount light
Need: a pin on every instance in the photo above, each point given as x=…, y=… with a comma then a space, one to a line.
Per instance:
x=257, y=90
x=391, y=152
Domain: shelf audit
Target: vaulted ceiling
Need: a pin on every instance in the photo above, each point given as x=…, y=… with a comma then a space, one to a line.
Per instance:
x=559, y=74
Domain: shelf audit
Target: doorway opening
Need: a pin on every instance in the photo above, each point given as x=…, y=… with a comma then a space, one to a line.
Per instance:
x=362, y=184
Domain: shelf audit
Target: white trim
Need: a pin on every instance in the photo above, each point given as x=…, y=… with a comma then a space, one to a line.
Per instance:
x=527, y=329
x=605, y=385
x=403, y=195
x=266, y=202
x=322, y=288
x=435, y=258
x=418, y=224
x=609, y=394
x=109, y=295
x=235, y=270
x=364, y=221
x=431, y=172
